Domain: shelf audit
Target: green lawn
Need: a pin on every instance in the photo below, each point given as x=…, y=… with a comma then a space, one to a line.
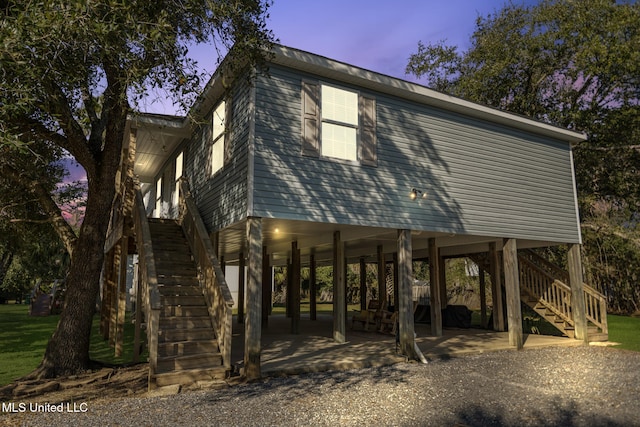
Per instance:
x=23, y=340
x=624, y=330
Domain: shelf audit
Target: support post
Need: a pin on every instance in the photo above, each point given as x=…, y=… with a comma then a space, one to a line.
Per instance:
x=363, y=284
x=574, y=262
x=122, y=296
x=266, y=287
x=382, y=285
x=295, y=287
x=241, y=273
x=512, y=288
x=434, y=279
x=312, y=287
x=138, y=312
x=496, y=288
x=483, y=298
x=405, y=294
x=339, y=290
x=442, y=269
x=395, y=281
x=253, y=322
x=113, y=303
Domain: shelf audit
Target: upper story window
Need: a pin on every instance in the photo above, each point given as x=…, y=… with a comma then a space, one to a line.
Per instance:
x=338, y=123
x=339, y=112
x=218, y=133
x=178, y=175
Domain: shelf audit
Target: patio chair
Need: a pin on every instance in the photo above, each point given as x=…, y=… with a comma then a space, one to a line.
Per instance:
x=369, y=316
x=389, y=320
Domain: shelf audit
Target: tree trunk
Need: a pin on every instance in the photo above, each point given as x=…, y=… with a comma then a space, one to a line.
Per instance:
x=68, y=350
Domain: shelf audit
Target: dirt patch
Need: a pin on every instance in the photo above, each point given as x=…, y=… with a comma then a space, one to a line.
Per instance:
x=103, y=383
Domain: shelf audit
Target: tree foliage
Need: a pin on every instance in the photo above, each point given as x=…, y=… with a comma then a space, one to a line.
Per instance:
x=70, y=72
x=574, y=64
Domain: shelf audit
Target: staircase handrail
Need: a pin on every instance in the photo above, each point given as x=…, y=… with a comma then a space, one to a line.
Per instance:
x=595, y=305
x=595, y=302
x=151, y=302
x=556, y=296
x=216, y=291
x=554, y=270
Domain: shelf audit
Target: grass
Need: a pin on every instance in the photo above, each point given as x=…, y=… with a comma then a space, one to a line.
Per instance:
x=624, y=330
x=23, y=340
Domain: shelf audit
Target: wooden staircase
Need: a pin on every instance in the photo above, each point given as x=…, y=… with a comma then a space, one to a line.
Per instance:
x=544, y=288
x=188, y=349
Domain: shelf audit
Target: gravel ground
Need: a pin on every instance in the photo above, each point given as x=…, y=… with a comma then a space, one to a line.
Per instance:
x=578, y=386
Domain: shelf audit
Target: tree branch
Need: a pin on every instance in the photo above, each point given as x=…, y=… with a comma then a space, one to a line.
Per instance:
x=62, y=228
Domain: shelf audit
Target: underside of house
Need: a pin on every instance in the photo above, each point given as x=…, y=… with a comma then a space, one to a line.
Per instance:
x=431, y=178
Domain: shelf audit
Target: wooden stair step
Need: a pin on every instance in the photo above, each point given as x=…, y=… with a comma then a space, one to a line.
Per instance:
x=171, y=335
x=183, y=348
x=167, y=323
x=190, y=376
x=193, y=361
x=179, y=289
x=184, y=311
x=184, y=300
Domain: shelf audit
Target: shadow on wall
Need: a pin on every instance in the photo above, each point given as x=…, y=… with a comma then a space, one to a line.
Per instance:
x=292, y=186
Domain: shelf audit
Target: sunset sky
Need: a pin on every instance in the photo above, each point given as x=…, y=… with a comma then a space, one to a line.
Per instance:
x=377, y=35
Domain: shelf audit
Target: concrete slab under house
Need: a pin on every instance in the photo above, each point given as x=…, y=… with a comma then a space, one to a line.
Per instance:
x=318, y=162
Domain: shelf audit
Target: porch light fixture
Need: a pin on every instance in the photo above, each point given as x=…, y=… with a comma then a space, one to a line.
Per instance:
x=415, y=193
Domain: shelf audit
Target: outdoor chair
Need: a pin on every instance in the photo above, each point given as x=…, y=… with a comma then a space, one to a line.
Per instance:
x=369, y=316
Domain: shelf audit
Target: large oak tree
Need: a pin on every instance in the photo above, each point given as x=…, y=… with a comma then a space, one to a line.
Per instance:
x=70, y=72
x=575, y=64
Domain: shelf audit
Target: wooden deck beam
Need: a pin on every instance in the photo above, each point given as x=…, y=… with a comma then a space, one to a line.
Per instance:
x=574, y=262
x=404, y=308
x=253, y=322
x=496, y=288
x=512, y=288
x=434, y=284
x=339, y=290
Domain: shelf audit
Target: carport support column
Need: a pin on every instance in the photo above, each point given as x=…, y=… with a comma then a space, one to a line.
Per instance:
x=241, y=274
x=496, y=288
x=253, y=324
x=512, y=288
x=312, y=287
x=339, y=290
x=382, y=283
x=574, y=262
x=434, y=285
x=405, y=294
x=295, y=288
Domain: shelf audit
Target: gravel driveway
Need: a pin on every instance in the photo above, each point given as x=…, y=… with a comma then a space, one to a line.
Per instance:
x=576, y=386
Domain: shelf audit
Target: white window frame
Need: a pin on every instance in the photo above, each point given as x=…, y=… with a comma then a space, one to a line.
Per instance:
x=179, y=166
x=339, y=121
x=218, y=125
x=158, y=208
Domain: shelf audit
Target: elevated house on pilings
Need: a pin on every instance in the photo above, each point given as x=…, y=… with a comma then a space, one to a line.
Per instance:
x=318, y=161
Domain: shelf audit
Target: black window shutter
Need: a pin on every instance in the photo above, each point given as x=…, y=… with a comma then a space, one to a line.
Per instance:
x=368, y=152
x=310, y=119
